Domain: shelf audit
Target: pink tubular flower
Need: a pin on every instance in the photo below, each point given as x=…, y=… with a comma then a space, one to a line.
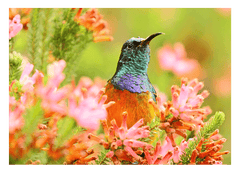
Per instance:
x=88, y=112
x=55, y=73
x=175, y=59
x=52, y=96
x=92, y=87
x=163, y=154
x=27, y=81
x=86, y=104
x=14, y=26
x=124, y=142
x=15, y=119
x=187, y=102
x=185, y=109
x=17, y=108
x=161, y=99
x=12, y=101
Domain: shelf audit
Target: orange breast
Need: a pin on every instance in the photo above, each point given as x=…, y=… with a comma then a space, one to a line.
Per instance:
x=135, y=104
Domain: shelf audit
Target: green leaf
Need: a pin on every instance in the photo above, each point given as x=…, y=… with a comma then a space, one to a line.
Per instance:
x=66, y=129
x=102, y=159
x=16, y=90
x=169, y=116
x=32, y=118
x=15, y=61
x=68, y=41
x=34, y=38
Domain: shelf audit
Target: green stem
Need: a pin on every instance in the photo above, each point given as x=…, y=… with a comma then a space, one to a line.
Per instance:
x=45, y=30
x=103, y=160
x=12, y=45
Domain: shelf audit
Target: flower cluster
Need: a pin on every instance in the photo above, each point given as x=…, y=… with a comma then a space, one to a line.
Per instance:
x=80, y=102
x=126, y=145
x=175, y=60
x=184, y=112
x=122, y=145
x=14, y=26
x=94, y=22
x=211, y=154
x=86, y=104
x=122, y=142
x=75, y=150
x=163, y=154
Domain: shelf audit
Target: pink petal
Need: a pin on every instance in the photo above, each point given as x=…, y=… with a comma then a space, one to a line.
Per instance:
x=198, y=87
x=27, y=70
x=130, y=151
x=135, y=126
x=148, y=157
x=175, y=100
x=157, y=151
x=179, y=50
x=110, y=154
x=167, y=58
x=176, y=157
x=183, y=95
x=196, y=102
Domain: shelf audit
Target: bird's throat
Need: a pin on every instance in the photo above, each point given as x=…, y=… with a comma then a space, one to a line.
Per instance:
x=135, y=83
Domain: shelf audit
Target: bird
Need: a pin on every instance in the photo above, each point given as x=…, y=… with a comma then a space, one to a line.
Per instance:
x=130, y=87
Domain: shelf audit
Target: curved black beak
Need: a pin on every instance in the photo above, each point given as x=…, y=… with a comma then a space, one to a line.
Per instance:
x=149, y=38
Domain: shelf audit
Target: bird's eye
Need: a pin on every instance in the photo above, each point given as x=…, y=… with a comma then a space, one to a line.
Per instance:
x=130, y=46
x=136, y=43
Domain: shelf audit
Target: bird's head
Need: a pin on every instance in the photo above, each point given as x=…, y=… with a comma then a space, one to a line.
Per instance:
x=135, y=55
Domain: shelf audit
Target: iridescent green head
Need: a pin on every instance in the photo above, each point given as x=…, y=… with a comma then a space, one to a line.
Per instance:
x=135, y=55
x=131, y=73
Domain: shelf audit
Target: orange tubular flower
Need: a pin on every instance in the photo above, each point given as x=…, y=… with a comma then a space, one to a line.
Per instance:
x=211, y=155
x=78, y=153
x=94, y=22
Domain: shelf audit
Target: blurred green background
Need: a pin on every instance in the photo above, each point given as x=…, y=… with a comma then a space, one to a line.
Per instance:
x=205, y=33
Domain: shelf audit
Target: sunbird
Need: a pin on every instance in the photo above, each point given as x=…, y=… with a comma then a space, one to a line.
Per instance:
x=130, y=87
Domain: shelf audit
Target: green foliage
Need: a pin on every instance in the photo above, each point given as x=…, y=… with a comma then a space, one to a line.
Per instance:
x=55, y=31
x=65, y=32
x=15, y=61
x=190, y=134
x=66, y=129
x=46, y=29
x=69, y=40
x=16, y=90
x=79, y=129
x=100, y=130
x=213, y=124
x=169, y=116
x=154, y=123
x=32, y=118
x=40, y=30
x=102, y=159
x=34, y=38
x=34, y=155
x=156, y=133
